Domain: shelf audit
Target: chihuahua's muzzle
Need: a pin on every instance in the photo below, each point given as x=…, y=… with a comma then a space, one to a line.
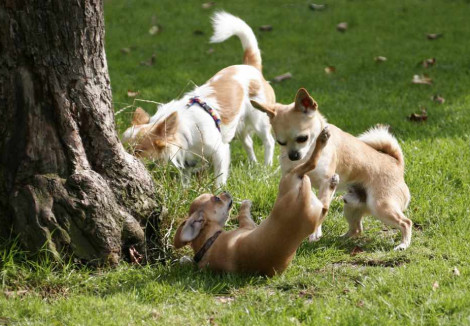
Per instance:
x=294, y=155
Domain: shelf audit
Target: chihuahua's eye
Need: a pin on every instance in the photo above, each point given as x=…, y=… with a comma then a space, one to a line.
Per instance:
x=216, y=198
x=301, y=139
x=281, y=143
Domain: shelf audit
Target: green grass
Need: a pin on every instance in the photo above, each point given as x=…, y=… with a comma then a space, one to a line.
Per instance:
x=324, y=284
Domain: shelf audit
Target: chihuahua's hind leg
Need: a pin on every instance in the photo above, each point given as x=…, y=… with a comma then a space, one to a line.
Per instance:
x=244, y=217
x=390, y=214
x=354, y=214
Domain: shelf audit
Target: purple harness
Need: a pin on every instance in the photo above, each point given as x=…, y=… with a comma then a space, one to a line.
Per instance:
x=206, y=108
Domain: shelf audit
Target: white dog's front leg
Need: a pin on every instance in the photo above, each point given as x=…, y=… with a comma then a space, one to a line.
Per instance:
x=221, y=161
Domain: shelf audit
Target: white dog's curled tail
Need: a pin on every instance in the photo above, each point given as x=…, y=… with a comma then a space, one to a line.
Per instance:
x=381, y=139
x=226, y=25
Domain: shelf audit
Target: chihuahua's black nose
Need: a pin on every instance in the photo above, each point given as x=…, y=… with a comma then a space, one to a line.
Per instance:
x=294, y=156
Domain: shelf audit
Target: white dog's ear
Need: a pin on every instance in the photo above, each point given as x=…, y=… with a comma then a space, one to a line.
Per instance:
x=140, y=117
x=189, y=229
x=304, y=102
x=269, y=110
x=167, y=127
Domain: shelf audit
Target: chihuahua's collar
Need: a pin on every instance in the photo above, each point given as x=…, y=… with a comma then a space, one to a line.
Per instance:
x=206, y=108
x=198, y=256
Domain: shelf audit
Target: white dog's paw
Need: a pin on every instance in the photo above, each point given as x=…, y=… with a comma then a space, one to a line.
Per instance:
x=401, y=246
x=315, y=236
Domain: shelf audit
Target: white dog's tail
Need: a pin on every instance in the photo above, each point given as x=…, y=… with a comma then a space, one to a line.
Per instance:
x=381, y=139
x=226, y=25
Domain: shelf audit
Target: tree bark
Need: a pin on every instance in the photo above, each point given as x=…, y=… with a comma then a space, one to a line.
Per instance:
x=65, y=179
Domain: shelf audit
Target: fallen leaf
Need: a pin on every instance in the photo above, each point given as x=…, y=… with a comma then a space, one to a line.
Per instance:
x=317, y=7
x=212, y=321
x=380, y=59
x=416, y=117
x=5, y=321
x=149, y=62
x=223, y=299
x=356, y=250
x=282, y=77
x=423, y=79
x=210, y=51
x=125, y=50
x=360, y=303
x=207, y=5
x=330, y=69
x=434, y=36
x=438, y=99
x=154, y=30
x=198, y=32
x=435, y=285
x=346, y=291
x=266, y=28
x=342, y=27
x=135, y=256
x=455, y=271
x=428, y=62
x=155, y=314
x=132, y=93
x=14, y=294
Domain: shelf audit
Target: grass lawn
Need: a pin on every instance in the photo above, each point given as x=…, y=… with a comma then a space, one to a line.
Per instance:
x=427, y=284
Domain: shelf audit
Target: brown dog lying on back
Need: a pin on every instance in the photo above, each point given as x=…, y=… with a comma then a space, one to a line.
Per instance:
x=266, y=249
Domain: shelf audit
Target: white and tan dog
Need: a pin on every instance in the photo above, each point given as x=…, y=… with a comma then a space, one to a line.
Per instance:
x=370, y=166
x=266, y=249
x=180, y=132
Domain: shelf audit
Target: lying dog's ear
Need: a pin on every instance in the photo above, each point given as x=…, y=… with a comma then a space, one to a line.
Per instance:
x=140, y=117
x=304, y=102
x=189, y=229
x=167, y=127
x=264, y=108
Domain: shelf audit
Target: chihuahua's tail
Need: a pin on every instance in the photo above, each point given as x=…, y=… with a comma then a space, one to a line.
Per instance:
x=226, y=25
x=380, y=138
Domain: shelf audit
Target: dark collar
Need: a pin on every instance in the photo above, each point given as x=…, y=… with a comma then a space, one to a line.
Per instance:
x=206, y=108
x=198, y=256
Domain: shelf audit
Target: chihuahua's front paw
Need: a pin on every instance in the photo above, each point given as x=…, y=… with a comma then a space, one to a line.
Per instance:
x=246, y=204
x=324, y=135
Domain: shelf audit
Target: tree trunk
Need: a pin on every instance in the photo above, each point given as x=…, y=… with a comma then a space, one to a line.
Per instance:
x=65, y=179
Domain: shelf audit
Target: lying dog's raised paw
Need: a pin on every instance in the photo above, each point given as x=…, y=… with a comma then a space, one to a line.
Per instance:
x=246, y=204
x=324, y=135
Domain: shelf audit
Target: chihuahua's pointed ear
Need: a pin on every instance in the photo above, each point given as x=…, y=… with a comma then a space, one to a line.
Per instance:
x=189, y=229
x=269, y=110
x=167, y=127
x=140, y=117
x=304, y=102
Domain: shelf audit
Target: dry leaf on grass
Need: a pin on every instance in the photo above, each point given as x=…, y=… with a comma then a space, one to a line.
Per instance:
x=380, y=59
x=434, y=36
x=154, y=30
x=125, y=50
x=435, y=285
x=135, y=256
x=14, y=294
x=317, y=7
x=208, y=5
x=198, y=32
x=330, y=69
x=416, y=117
x=282, y=77
x=360, y=303
x=423, y=80
x=342, y=27
x=428, y=62
x=356, y=250
x=455, y=271
x=210, y=51
x=223, y=299
x=212, y=321
x=266, y=28
x=438, y=99
x=132, y=93
x=149, y=62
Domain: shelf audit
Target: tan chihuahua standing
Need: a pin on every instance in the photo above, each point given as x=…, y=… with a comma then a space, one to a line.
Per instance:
x=370, y=166
x=266, y=249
